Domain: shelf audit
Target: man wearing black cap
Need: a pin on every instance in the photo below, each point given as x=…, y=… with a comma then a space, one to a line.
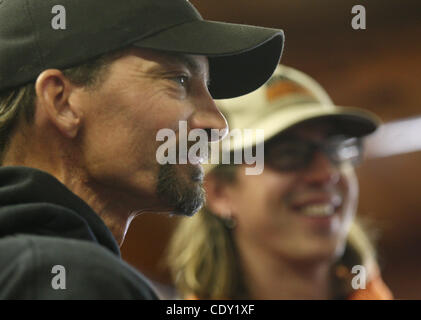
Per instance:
x=79, y=112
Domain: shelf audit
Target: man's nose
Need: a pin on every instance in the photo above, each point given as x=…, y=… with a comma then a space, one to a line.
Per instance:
x=322, y=171
x=209, y=118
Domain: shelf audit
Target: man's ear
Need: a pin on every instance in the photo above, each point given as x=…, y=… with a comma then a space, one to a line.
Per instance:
x=53, y=92
x=218, y=198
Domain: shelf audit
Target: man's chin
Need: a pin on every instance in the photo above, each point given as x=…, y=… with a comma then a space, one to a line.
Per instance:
x=181, y=188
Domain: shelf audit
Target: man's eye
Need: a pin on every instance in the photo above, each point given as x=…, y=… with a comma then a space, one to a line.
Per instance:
x=182, y=80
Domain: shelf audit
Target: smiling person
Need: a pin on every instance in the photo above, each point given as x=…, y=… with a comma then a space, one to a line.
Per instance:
x=80, y=108
x=291, y=231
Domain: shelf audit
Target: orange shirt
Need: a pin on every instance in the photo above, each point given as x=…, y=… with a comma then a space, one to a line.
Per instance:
x=376, y=290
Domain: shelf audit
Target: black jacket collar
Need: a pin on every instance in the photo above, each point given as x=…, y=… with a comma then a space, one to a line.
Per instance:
x=34, y=202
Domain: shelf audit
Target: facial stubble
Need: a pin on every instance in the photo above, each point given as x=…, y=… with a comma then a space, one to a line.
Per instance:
x=183, y=193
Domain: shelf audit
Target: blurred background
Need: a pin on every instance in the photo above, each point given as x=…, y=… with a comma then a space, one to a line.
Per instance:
x=379, y=69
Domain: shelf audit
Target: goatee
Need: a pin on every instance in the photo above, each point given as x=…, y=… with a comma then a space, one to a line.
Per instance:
x=185, y=195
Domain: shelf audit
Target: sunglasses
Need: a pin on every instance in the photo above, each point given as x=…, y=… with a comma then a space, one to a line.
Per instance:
x=294, y=153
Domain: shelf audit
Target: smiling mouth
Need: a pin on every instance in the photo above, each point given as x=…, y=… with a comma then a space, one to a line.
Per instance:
x=315, y=208
x=318, y=210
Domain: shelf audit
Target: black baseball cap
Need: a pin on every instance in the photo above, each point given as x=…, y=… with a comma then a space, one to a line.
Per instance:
x=241, y=57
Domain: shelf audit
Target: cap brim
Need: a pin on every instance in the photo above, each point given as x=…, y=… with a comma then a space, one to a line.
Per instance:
x=349, y=121
x=241, y=57
x=354, y=122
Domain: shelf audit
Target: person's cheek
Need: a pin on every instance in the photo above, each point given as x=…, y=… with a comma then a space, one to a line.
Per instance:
x=275, y=187
x=282, y=187
x=248, y=202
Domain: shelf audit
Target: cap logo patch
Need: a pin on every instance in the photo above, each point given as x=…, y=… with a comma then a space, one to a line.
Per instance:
x=280, y=86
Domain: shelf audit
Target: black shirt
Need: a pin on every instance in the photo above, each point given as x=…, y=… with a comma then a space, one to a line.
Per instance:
x=54, y=246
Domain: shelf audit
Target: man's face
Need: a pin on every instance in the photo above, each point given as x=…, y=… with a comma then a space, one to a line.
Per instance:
x=302, y=213
x=146, y=91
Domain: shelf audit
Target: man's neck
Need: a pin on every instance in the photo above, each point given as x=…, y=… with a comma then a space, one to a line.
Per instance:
x=111, y=208
x=114, y=206
x=114, y=212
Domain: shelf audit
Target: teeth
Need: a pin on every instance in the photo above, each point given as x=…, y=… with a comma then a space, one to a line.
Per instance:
x=318, y=210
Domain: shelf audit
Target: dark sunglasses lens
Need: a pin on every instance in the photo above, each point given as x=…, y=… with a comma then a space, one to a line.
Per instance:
x=290, y=155
x=296, y=154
